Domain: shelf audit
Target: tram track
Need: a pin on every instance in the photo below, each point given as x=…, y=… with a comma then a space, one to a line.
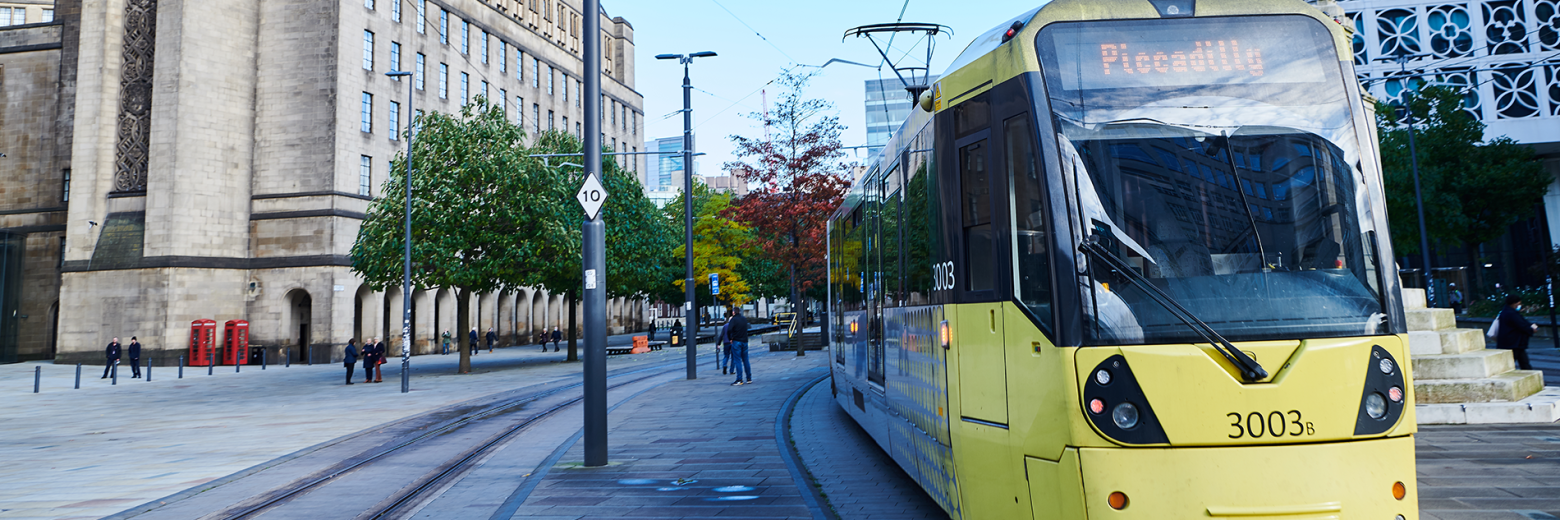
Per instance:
x=409, y=497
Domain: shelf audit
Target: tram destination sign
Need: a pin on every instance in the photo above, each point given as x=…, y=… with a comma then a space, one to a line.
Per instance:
x=1254, y=50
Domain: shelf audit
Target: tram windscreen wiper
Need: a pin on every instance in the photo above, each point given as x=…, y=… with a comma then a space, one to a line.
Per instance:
x=1250, y=370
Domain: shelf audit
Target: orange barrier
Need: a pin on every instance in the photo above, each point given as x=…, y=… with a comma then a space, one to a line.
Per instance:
x=641, y=345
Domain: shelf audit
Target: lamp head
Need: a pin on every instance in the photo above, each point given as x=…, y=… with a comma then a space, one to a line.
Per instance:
x=667, y=56
x=704, y=54
x=398, y=73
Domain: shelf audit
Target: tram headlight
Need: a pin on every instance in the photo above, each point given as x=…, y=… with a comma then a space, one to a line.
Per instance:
x=1386, y=366
x=1125, y=415
x=1102, y=377
x=1375, y=406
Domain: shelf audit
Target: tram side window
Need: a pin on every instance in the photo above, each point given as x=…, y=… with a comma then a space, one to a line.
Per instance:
x=893, y=295
x=921, y=215
x=976, y=200
x=1029, y=219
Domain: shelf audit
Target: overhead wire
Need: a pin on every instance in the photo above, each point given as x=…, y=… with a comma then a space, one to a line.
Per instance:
x=755, y=31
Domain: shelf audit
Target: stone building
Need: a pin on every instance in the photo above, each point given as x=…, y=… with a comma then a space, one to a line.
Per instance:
x=176, y=160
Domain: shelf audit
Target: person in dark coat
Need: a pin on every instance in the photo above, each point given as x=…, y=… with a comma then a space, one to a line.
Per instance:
x=1514, y=331
x=112, y=352
x=473, y=342
x=652, y=330
x=492, y=337
x=350, y=361
x=738, y=334
x=370, y=359
x=135, y=357
x=557, y=337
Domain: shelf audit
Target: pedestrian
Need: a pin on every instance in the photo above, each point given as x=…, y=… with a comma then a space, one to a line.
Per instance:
x=373, y=361
x=112, y=352
x=723, y=347
x=368, y=360
x=1513, y=331
x=652, y=330
x=446, y=338
x=135, y=358
x=676, y=332
x=557, y=337
x=739, y=348
x=1457, y=299
x=492, y=337
x=350, y=361
x=473, y=337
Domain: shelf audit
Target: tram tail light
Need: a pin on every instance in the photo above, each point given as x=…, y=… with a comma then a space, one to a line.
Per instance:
x=1118, y=500
x=1399, y=491
x=944, y=334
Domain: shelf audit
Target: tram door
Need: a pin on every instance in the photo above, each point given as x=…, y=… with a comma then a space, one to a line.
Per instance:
x=877, y=241
x=982, y=362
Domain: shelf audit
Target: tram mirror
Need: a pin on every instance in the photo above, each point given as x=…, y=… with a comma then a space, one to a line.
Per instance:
x=926, y=101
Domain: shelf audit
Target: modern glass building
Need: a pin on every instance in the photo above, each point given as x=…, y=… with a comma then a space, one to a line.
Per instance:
x=887, y=107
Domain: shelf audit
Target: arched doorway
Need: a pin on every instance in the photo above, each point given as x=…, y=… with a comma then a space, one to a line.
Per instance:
x=300, y=311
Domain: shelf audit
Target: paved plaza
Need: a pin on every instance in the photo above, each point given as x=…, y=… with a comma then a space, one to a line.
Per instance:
x=678, y=448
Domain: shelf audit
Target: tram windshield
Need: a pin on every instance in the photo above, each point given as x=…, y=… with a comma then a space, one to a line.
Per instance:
x=1218, y=158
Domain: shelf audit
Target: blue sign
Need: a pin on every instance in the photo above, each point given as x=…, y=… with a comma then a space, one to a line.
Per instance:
x=714, y=283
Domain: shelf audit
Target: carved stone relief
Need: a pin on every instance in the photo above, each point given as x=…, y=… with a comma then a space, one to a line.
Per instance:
x=135, y=96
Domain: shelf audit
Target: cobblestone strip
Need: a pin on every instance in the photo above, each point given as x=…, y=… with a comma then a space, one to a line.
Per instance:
x=855, y=476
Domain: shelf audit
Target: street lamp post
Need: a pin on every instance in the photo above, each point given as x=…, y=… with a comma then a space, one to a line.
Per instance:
x=406, y=259
x=594, y=254
x=1413, y=157
x=692, y=329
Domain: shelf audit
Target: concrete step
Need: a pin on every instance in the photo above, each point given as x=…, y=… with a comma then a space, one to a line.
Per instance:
x=1413, y=299
x=1457, y=341
x=1478, y=364
x=1431, y=319
x=1512, y=386
x=1543, y=407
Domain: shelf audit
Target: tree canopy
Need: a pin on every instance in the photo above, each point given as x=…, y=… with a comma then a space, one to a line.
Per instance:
x=1473, y=189
x=802, y=180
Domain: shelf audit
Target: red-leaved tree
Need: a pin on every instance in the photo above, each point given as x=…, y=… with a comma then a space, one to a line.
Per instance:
x=801, y=180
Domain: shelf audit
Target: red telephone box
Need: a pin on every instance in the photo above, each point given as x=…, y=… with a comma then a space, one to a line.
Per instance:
x=203, y=340
x=235, y=336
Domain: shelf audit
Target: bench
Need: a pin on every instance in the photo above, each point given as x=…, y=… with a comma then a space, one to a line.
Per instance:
x=613, y=351
x=657, y=345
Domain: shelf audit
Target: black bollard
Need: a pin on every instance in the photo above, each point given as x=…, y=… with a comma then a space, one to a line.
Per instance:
x=78, y=376
x=211, y=363
x=37, y=378
x=181, y=367
x=148, y=370
x=287, y=358
x=262, y=359
x=113, y=374
x=237, y=365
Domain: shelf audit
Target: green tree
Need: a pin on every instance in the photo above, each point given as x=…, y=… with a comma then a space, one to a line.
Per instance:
x=1473, y=189
x=471, y=191
x=720, y=246
x=637, y=234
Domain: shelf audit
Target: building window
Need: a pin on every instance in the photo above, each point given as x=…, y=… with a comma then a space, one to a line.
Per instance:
x=444, y=26
x=13, y=16
x=395, y=11
x=536, y=117
x=395, y=120
x=369, y=4
x=482, y=45
x=613, y=117
x=634, y=160
x=503, y=57
x=395, y=58
x=465, y=88
x=484, y=92
x=444, y=81
x=519, y=65
x=579, y=131
x=550, y=80
x=536, y=73
x=550, y=120
x=421, y=65
x=465, y=37
x=65, y=193
x=368, y=112
x=422, y=16
x=635, y=126
x=579, y=92
x=565, y=123
x=503, y=99
x=365, y=174
x=566, y=82
x=48, y=15
x=368, y=50
x=520, y=112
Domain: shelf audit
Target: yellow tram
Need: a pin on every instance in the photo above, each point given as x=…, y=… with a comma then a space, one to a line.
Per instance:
x=1129, y=259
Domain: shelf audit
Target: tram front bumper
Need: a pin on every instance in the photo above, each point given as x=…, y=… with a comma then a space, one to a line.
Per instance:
x=1344, y=480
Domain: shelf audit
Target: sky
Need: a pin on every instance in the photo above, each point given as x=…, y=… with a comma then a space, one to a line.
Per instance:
x=730, y=86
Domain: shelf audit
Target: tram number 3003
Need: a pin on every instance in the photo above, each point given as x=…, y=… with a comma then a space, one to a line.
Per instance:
x=1275, y=424
x=942, y=276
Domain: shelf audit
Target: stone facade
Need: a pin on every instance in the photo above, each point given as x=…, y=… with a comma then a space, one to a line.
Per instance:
x=258, y=165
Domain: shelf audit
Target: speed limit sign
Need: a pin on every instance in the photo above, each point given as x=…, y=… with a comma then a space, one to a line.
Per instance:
x=591, y=196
